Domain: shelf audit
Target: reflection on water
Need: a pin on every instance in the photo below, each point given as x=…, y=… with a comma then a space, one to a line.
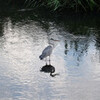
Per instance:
x=76, y=58
x=49, y=69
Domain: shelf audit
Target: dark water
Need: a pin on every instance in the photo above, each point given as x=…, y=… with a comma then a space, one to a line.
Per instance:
x=75, y=58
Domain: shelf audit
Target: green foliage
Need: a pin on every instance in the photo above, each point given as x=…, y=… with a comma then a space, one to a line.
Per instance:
x=76, y=5
x=55, y=4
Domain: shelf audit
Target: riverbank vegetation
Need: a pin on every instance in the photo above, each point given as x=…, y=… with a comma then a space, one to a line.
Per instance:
x=56, y=5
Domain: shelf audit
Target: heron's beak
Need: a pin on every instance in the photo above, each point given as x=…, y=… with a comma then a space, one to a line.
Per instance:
x=57, y=40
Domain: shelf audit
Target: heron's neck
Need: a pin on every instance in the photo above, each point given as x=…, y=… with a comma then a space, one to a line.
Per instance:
x=51, y=44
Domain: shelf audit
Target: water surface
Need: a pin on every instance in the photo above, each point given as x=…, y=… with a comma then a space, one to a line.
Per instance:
x=76, y=59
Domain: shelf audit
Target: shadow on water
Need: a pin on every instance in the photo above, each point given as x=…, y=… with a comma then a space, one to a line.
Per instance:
x=49, y=69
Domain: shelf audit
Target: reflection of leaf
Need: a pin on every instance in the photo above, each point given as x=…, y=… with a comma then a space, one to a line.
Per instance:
x=66, y=45
x=76, y=45
x=66, y=51
x=97, y=41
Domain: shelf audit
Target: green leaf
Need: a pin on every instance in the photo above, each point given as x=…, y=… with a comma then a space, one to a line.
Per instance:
x=80, y=3
x=93, y=2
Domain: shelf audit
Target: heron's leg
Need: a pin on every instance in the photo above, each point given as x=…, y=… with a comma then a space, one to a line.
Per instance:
x=49, y=61
x=46, y=60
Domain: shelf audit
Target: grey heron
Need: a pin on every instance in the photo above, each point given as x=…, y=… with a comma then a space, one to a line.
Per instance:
x=47, y=51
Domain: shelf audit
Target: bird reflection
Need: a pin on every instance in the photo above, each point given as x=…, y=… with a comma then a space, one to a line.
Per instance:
x=49, y=69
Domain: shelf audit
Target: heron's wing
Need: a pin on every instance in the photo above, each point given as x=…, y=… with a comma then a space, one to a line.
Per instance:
x=47, y=51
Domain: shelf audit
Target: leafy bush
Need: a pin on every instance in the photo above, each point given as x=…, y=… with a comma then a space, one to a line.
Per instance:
x=76, y=5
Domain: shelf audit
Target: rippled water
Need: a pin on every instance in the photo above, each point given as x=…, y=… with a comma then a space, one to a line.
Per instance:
x=76, y=59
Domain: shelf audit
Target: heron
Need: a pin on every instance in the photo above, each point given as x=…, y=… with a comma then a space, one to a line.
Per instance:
x=47, y=52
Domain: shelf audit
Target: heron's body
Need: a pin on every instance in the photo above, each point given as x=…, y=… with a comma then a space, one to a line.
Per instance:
x=46, y=52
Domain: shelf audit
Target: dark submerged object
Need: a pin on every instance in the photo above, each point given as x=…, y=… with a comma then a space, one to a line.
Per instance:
x=49, y=69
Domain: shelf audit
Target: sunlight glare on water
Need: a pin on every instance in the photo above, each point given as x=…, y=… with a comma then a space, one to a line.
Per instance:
x=75, y=58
